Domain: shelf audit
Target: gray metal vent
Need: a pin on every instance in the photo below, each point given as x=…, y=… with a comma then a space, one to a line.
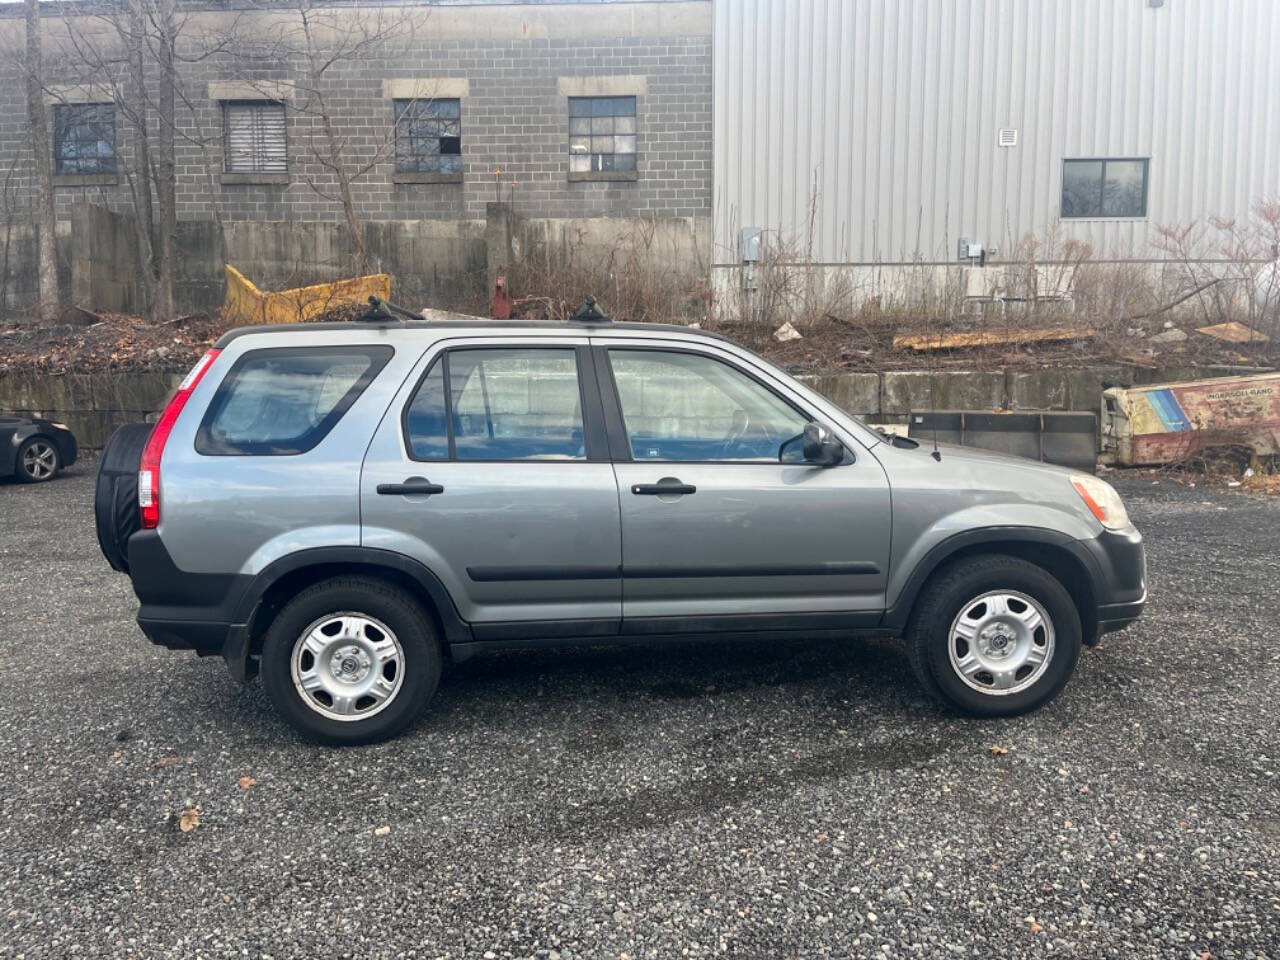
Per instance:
x=1008, y=137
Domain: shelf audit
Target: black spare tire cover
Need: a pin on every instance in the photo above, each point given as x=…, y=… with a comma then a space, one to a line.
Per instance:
x=115, y=502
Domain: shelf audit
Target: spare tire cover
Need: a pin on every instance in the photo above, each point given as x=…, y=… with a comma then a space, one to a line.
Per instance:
x=115, y=504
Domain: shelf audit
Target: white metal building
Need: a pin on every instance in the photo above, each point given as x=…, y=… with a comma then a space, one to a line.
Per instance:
x=920, y=122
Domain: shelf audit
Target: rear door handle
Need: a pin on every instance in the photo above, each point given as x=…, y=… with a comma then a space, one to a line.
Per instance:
x=667, y=486
x=414, y=486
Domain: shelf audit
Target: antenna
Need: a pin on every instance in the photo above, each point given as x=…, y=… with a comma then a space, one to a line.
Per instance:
x=933, y=380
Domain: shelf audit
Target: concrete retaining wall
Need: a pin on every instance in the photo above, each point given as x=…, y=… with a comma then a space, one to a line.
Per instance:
x=446, y=264
x=888, y=397
x=93, y=405
x=105, y=271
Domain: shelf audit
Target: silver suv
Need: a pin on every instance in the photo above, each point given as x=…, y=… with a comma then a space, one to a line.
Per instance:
x=341, y=506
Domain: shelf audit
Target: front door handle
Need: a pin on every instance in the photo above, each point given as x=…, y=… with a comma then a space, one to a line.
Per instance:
x=667, y=486
x=412, y=487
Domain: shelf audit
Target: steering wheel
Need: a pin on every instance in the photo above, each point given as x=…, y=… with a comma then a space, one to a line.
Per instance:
x=737, y=427
x=736, y=440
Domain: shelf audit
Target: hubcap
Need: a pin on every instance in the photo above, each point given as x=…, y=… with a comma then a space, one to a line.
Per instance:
x=40, y=460
x=347, y=666
x=1001, y=642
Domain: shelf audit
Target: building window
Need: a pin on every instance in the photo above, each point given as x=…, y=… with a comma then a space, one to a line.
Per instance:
x=84, y=139
x=429, y=136
x=1104, y=188
x=253, y=137
x=602, y=134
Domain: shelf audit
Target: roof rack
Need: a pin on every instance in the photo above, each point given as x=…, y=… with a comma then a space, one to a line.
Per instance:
x=380, y=311
x=589, y=312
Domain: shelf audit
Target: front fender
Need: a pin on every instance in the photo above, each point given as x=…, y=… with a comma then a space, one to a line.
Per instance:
x=986, y=522
x=9, y=450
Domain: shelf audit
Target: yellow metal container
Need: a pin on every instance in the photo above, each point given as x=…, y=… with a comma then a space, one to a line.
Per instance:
x=246, y=304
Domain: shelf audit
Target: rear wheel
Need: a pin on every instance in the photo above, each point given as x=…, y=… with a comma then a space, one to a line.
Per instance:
x=38, y=460
x=351, y=660
x=994, y=636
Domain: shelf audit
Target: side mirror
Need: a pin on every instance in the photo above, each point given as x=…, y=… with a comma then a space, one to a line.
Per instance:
x=820, y=447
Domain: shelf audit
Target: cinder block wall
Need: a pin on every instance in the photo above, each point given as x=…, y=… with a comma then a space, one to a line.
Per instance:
x=513, y=58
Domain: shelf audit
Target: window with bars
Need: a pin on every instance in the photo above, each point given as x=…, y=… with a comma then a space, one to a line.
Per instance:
x=602, y=134
x=253, y=137
x=1104, y=188
x=84, y=139
x=429, y=136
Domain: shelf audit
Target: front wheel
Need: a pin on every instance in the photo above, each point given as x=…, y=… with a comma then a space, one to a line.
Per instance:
x=38, y=460
x=351, y=660
x=994, y=636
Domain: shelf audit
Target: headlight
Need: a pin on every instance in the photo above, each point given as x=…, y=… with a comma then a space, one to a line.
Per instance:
x=1102, y=500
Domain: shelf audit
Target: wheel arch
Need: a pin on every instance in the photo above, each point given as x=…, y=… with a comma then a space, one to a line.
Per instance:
x=1054, y=552
x=271, y=589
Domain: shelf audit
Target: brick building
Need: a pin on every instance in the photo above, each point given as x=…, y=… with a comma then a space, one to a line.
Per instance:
x=590, y=108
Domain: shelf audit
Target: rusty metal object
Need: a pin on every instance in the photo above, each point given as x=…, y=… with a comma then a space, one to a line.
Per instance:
x=500, y=306
x=1168, y=422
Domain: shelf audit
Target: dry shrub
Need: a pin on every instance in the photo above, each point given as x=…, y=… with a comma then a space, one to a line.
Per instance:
x=1208, y=272
x=641, y=274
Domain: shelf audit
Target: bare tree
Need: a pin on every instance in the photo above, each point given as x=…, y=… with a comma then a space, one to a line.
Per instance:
x=321, y=40
x=50, y=305
x=164, y=46
x=135, y=49
x=9, y=212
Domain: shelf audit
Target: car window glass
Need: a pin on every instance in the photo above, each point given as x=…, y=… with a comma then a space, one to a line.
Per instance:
x=516, y=404
x=279, y=402
x=426, y=419
x=686, y=406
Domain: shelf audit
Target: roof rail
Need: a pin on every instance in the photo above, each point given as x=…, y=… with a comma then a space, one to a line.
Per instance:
x=589, y=312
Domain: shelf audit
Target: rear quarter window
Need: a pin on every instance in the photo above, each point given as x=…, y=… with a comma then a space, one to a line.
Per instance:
x=283, y=401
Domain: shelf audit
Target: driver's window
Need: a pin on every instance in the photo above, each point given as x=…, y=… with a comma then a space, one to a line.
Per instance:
x=688, y=406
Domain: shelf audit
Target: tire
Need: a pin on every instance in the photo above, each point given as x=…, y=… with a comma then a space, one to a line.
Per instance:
x=116, y=513
x=38, y=460
x=1012, y=665
x=358, y=626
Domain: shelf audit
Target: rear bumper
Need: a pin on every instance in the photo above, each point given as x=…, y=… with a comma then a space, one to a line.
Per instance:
x=207, y=638
x=188, y=611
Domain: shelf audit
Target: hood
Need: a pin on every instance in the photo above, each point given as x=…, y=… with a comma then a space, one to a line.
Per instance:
x=978, y=457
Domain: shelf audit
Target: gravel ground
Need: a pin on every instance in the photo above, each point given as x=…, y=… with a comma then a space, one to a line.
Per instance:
x=736, y=799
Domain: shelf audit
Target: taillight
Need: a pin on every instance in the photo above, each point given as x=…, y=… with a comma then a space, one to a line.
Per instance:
x=149, y=469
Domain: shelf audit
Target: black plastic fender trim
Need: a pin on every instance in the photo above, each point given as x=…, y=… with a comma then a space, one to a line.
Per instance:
x=895, y=617
x=455, y=628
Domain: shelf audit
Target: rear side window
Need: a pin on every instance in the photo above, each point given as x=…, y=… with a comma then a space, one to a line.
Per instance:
x=520, y=403
x=281, y=402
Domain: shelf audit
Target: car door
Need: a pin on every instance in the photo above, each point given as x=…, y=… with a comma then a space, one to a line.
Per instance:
x=491, y=467
x=721, y=529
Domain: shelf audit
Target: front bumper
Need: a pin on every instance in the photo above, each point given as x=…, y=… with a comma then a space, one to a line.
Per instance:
x=1120, y=578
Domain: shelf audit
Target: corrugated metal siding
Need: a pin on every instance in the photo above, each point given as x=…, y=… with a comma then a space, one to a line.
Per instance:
x=890, y=110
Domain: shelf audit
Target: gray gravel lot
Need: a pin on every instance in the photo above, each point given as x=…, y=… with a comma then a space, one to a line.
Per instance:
x=746, y=800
